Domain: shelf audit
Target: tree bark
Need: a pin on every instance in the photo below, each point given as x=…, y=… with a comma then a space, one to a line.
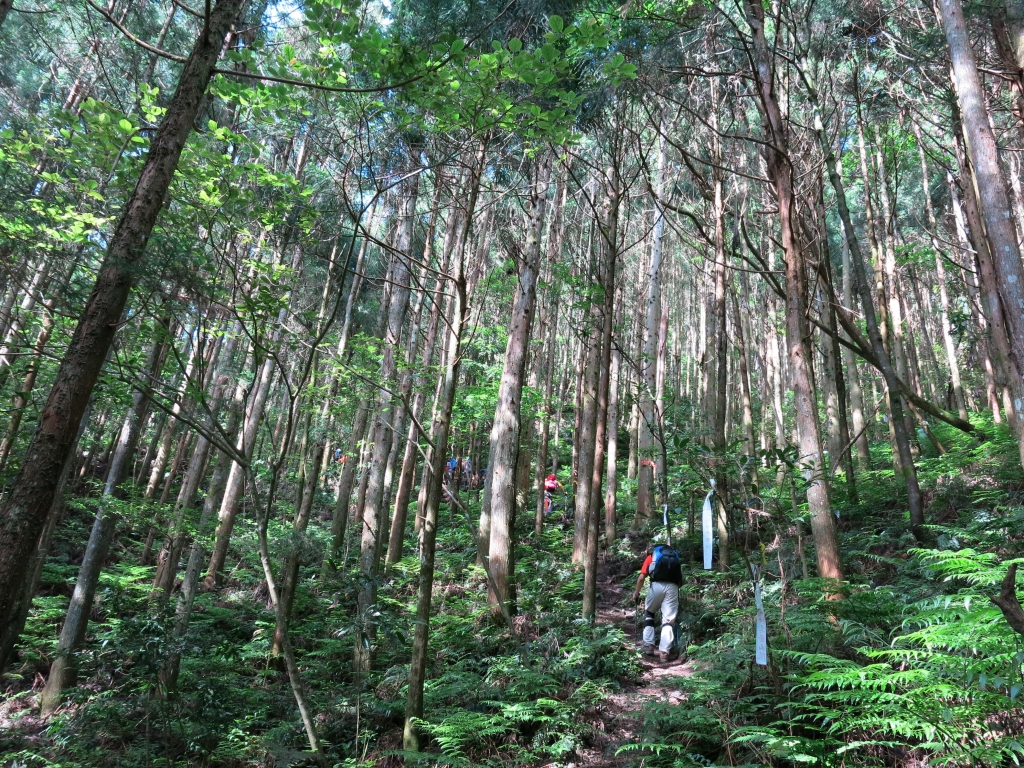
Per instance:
x=992, y=193
x=780, y=171
x=609, y=253
x=648, y=362
x=440, y=432
x=505, y=430
x=373, y=515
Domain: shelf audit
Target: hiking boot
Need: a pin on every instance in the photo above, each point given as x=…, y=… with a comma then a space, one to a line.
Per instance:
x=648, y=649
x=667, y=655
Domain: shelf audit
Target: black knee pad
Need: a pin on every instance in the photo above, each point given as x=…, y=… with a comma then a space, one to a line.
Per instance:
x=649, y=620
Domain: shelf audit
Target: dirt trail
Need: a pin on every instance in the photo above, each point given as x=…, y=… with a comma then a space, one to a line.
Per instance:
x=619, y=716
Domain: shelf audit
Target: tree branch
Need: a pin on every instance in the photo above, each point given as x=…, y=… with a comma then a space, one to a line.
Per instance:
x=1008, y=602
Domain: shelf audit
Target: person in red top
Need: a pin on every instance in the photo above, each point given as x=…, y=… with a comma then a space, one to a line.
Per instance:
x=666, y=577
x=551, y=485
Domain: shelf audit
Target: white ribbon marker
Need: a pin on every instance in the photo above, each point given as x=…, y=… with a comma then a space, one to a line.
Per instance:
x=761, y=625
x=706, y=523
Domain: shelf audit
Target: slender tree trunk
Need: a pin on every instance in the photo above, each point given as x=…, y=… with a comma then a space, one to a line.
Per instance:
x=440, y=432
x=290, y=571
x=780, y=171
x=21, y=400
x=374, y=516
x=505, y=431
x=860, y=425
x=992, y=194
x=583, y=439
x=612, y=475
x=609, y=249
x=235, y=483
x=648, y=362
x=339, y=520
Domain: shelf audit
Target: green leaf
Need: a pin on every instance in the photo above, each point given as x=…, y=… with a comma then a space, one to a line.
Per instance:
x=556, y=23
x=125, y=125
x=515, y=45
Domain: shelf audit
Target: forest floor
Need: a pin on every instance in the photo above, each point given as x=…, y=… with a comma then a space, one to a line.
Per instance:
x=620, y=715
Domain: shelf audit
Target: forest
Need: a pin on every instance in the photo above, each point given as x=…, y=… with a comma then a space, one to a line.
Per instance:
x=354, y=354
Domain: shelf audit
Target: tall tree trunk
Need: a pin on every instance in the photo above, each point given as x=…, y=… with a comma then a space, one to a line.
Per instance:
x=992, y=193
x=609, y=244
x=440, y=432
x=648, y=362
x=505, y=431
x=403, y=495
x=27, y=506
x=372, y=512
x=940, y=278
x=892, y=383
x=611, y=473
x=780, y=171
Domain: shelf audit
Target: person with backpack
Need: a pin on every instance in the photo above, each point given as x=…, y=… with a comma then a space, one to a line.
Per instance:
x=663, y=568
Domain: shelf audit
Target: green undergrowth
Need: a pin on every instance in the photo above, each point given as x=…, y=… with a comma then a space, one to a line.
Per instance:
x=492, y=697
x=914, y=665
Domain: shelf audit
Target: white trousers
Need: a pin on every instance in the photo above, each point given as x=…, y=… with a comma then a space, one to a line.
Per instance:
x=665, y=596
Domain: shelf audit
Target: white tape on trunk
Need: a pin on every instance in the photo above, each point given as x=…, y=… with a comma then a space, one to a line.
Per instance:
x=706, y=523
x=761, y=624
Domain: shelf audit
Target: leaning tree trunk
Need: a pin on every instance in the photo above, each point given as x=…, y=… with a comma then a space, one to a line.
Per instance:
x=76, y=621
x=197, y=553
x=25, y=511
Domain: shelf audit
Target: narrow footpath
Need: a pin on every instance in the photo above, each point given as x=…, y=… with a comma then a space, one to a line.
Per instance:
x=620, y=715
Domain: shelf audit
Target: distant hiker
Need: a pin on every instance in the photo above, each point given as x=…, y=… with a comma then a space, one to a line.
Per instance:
x=450, y=466
x=551, y=485
x=666, y=574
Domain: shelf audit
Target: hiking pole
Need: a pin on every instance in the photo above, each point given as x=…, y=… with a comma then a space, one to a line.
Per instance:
x=668, y=527
x=636, y=621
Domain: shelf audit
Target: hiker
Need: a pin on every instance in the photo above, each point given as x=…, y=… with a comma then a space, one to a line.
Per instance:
x=551, y=485
x=666, y=574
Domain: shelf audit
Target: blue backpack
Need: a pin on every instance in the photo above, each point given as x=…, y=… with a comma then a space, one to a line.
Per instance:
x=665, y=565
